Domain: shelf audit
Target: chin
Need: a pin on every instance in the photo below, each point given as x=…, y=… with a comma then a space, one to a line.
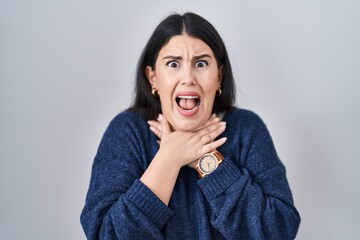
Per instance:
x=187, y=125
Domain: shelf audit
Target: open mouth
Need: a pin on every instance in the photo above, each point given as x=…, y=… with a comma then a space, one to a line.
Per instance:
x=188, y=103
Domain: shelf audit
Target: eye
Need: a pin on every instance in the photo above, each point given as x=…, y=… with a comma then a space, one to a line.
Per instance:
x=201, y=64
x=173, y=64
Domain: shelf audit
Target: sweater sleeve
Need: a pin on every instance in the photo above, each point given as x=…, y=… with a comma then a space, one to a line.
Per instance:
x=118, y=205
x=252, y=201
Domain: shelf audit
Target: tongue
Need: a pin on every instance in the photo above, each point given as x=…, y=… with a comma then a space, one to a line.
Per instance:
x=187, y=104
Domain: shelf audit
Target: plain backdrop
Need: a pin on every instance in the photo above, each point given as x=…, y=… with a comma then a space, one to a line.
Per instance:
x=67, y=68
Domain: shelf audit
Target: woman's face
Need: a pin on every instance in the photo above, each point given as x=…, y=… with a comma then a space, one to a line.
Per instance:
x=187, y=77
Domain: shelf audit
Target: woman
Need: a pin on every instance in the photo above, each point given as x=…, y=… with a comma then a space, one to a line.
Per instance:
x=183, y=162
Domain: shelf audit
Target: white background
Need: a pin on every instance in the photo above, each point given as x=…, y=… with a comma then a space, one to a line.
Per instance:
x=67, y=68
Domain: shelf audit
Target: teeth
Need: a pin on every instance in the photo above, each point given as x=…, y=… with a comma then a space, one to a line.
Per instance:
x=188, y=97
x=182, y=102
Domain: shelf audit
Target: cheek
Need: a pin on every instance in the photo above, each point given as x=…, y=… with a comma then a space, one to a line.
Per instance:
x=166, y=81
x=210, y=89
x=165, y=97
x=165, y=92
x=209, y=101
x=210, y=92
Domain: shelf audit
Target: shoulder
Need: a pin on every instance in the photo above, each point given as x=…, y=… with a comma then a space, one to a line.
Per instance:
x=246, y=124
x=128, y=118
x=127, y=130
x=127, y=122
x=243, y=117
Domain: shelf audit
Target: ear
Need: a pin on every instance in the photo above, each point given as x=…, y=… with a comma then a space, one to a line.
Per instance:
x=150, y=74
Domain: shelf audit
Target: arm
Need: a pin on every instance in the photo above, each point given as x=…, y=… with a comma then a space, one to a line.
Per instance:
x=177, y=149
x=252, y=201
x=117, y=203
x=127, y=193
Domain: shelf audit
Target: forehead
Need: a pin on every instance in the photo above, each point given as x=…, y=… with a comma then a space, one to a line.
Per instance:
x=181, y=45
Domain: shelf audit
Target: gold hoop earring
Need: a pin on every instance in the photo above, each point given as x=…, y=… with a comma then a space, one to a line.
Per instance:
x=154, y=92
x=218, y=92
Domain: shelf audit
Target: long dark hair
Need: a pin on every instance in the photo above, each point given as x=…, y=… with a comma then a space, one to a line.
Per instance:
x=175, y=24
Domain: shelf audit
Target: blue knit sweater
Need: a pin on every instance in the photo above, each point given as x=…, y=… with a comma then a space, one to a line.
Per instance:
x=246, y=197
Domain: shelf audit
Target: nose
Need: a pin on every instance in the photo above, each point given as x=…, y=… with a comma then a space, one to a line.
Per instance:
x=188, y=78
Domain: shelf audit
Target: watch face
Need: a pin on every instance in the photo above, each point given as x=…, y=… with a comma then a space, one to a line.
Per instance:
x=208, y=163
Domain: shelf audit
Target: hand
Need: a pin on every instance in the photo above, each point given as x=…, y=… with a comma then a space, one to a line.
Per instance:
x=155, y=125
x=188, y=147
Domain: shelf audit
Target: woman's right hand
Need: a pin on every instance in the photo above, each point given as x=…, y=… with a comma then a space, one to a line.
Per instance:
x=185, y=148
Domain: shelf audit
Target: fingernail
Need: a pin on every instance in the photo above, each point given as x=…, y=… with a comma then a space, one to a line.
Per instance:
x=223, y=123
x=224, y=139
x=160, y=117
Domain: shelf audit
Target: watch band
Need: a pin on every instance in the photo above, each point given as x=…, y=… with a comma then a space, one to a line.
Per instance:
x=218, y=155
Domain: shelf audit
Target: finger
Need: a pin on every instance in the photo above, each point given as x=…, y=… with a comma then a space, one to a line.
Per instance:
x=211, y=128
x=165, y=126
x=210, y=136
x=213, y=119
x=155, y=127
x=212, y=146
x=210, y=125
x=155, y=124
x=156, y=131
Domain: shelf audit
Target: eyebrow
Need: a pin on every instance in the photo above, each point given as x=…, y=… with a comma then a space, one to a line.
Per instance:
x=180, y=58
x=172, y=57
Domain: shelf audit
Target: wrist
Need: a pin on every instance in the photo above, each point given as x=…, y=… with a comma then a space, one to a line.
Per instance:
x=168, y=160
x=208, y=163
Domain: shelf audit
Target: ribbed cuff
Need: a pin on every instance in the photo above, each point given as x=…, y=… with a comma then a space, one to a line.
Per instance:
x=148, y=203
x=218, y=181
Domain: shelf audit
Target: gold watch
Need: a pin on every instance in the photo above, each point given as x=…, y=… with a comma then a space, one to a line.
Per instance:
x=208, y=163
